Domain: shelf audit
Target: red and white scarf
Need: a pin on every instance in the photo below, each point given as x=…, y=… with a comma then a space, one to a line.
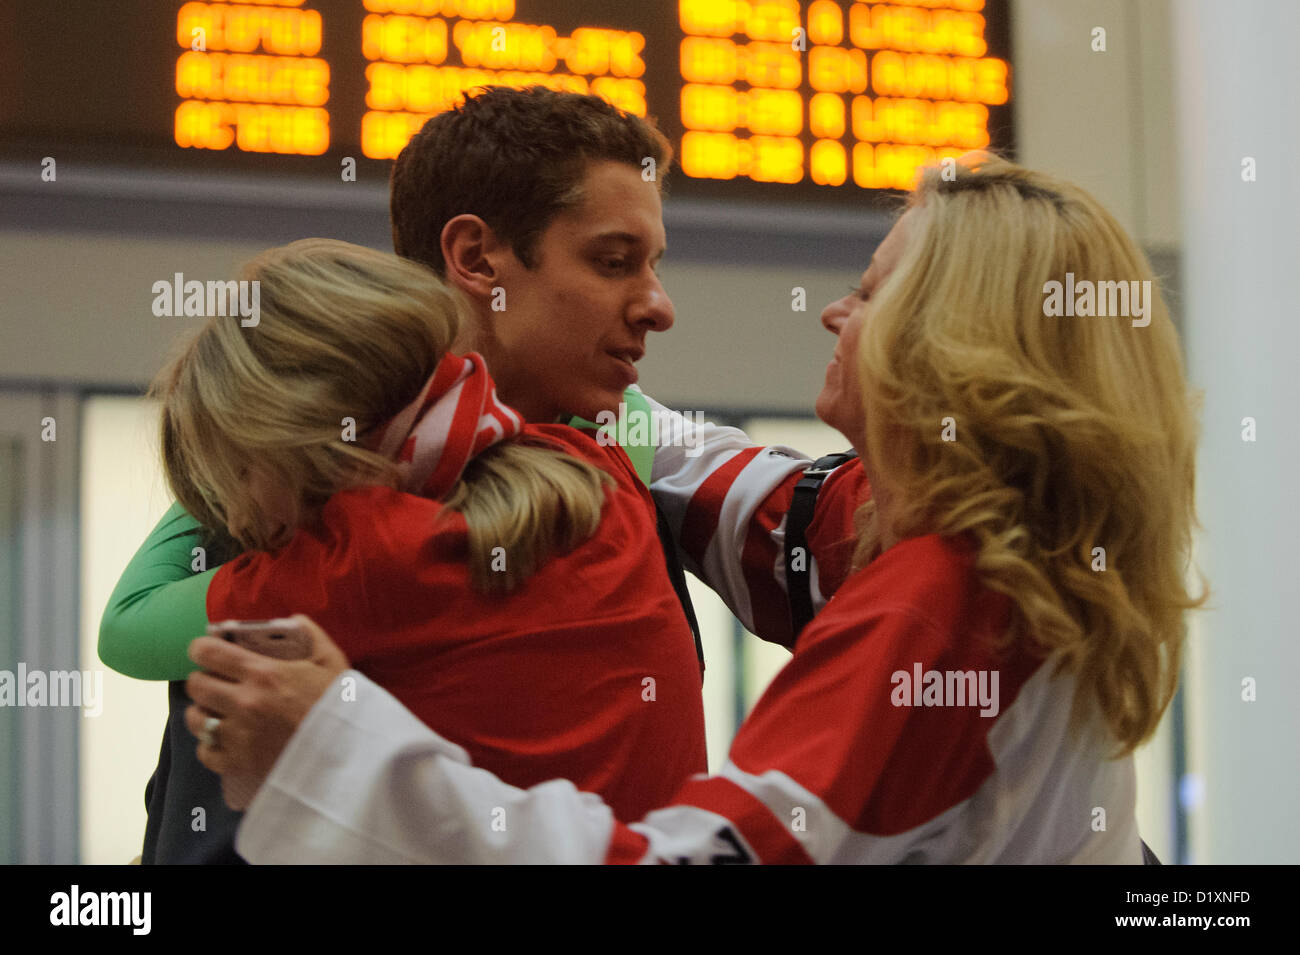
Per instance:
x=455, y=417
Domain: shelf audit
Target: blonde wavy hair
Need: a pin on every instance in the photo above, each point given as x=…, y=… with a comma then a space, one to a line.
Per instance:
x=1071, y=433
x=346, y=332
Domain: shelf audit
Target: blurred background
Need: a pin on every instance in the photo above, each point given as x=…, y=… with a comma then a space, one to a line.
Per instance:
x=117, y=170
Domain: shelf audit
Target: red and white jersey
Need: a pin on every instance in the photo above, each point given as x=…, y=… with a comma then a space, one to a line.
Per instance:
x=587, y=670
x=726, y=501
x=896, y=734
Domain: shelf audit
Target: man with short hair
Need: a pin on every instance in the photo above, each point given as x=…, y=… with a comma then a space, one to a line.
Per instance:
x=544, y=209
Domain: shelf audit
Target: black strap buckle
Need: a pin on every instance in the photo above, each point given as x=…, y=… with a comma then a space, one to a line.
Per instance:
x=803, y=505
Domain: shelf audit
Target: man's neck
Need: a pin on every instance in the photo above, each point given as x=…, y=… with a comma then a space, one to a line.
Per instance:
x=535, y=411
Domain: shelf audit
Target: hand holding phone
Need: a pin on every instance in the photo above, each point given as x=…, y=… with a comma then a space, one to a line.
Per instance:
x=282, y=638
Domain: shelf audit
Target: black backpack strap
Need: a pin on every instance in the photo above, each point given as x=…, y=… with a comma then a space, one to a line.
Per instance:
x=678, y=577
x=798, y=582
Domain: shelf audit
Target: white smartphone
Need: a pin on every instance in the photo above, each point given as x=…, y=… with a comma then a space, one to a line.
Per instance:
x=283, y=638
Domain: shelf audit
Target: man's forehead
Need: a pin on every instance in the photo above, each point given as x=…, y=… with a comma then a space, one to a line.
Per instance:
x=614, y=197
x=622, y=223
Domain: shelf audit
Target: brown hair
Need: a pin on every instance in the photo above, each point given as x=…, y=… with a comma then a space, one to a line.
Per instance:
x=515, y=158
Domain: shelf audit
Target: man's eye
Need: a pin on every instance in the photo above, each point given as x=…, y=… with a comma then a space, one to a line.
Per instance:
x=614, y=265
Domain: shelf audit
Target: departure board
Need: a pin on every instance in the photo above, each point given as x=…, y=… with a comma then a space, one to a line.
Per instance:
x=761, y=98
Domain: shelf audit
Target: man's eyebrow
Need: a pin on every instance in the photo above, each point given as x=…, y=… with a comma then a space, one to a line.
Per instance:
x=631, y=238
x=617, y=236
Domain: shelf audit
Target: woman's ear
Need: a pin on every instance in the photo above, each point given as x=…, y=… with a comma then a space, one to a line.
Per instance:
x=470, y=247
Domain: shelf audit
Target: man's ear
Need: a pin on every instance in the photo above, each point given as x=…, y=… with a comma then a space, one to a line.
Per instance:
x=471, y=249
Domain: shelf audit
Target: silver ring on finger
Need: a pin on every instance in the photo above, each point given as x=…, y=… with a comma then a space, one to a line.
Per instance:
x=208, y=735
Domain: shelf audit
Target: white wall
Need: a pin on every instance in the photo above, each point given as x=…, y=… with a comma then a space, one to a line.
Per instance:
x=1237, y=79
x=122, y=497
x=76, y=306
x=1101, y=119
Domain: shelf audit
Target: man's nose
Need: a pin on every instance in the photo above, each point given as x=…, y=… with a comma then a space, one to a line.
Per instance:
x=653, y=309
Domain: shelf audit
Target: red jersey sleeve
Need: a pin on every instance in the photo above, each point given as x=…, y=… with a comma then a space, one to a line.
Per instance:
x=836, y=763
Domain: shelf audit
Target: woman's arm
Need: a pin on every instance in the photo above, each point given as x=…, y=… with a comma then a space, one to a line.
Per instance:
x=363, y=781
x=725, y=499
x=160, y=603
x=428, y=806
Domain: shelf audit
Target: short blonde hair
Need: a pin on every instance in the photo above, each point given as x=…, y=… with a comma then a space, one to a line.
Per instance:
x=347, y=336
x=1070, y=433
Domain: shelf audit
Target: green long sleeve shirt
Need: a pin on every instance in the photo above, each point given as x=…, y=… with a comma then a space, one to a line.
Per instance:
x=160, y=603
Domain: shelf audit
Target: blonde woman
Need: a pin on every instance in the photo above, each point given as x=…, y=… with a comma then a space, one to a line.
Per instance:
x=488, y=573
x=1009, y=634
